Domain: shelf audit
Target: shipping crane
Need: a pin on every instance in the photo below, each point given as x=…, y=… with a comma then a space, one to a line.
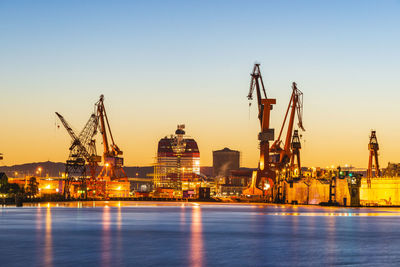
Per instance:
x=264, y=177
x=283, y=158
x=373, y=148
x=282, y=155
x=82, y=151
x=112, y=169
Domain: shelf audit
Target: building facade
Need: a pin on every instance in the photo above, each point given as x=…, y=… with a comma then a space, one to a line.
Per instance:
x=178, y=164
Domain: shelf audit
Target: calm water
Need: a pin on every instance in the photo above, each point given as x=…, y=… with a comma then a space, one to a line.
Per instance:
x=191, y=234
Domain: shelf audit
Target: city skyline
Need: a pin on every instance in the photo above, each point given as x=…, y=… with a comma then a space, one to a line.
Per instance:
x=162, y=64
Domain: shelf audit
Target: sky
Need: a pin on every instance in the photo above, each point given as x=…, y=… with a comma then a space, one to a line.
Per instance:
x=163, y=63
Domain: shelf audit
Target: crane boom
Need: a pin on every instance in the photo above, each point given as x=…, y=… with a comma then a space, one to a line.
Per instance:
x=68, y=128
x=84, y=141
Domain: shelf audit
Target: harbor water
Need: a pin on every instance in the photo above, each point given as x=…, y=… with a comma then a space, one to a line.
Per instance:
x=197, y=234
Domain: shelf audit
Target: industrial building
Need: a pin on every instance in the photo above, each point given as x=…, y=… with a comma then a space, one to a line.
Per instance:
x=177, y=169
x=224, y=161
x=235, y=183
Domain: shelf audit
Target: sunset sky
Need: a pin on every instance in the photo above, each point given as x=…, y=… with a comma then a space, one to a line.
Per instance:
x=163, y=63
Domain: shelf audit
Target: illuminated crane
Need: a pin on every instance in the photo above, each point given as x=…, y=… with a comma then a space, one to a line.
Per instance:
x=282, y=155
x=373, y=148
x=264, y=177
x=282, y=158
x=82, y=150
x=112, y=169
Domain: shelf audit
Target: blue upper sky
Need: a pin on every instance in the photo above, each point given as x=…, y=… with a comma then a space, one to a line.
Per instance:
x=160, y=63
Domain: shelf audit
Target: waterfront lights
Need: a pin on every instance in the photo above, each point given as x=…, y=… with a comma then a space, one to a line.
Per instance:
x=266, y=186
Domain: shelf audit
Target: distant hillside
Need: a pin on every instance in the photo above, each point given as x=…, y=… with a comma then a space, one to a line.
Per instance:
x=49, y=168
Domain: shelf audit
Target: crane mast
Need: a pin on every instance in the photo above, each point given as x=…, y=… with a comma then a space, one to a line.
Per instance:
x=264, y=177
x=112, y=168
x=373, y=148
x=295, y=165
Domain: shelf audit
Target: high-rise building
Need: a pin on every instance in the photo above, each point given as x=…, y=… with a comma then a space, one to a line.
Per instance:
x=178, y=163
x=224, y=161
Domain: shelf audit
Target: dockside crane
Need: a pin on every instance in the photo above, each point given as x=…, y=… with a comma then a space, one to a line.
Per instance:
x=264, y=177
x=82, y=151
x=282, y=156
x=112, y=169
x=373, y=148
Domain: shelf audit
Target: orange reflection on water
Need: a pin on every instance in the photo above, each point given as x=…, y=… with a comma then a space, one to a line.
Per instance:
x=119, y=217
x=48, y=244
x=333, y=214
x=196, y=240
x=106, y=237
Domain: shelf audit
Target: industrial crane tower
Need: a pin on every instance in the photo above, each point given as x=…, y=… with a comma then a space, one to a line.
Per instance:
x=373, y=148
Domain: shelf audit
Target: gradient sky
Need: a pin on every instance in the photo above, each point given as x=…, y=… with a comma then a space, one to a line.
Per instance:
x=161, y=63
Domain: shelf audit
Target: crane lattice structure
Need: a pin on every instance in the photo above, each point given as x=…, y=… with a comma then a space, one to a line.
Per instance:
x=82, y=151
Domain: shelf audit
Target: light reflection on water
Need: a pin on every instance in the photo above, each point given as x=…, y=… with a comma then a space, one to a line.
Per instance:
x=106, y=237
x=195, y=234
x=196, y=238
x=48, y=251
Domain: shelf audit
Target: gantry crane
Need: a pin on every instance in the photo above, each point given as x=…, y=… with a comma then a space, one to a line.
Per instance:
x=112, y=169
x=373, y=148
x=264, y=177
x=82, y=151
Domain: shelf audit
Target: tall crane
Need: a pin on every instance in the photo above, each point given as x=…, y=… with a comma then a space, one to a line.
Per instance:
x=282, y=155
x=373, y=148
x=264, y=177
x=283, y=158
x=295, y=165
x=112, y=169
x=82, y=150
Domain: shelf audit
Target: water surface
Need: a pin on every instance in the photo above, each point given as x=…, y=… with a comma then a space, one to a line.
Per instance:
x=194, y=234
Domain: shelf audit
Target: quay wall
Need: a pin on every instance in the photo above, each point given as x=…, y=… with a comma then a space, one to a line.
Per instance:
x=314, y=191
x=382, y=191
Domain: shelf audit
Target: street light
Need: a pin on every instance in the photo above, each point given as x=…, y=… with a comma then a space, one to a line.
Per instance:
x=39, y=171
